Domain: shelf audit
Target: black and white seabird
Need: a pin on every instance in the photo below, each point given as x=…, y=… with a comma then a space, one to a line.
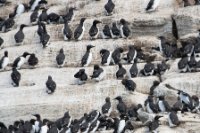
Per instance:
x=116, y=55
x=19, y=61
x=51, y=85
x=93, y=116
x=67, y=32
x=115, y=32
x=124, y=29
x=1, y=42
x=196, y=104
x=98, y=73
x=153, y=87
x=87, y=58
x=94, y=30
x=130, y=85
x=45, y=37
x=9, y=23
x=152, y=5
x=186, y=99
x=16, y=77
x=121, y=72
x=120, y=125
x=44, y=127
x=70, y=15
x=19, y=36
x=53, y=18
x=43, y=16
x=106, y=56
x=132, y=112
x=188, y=49
x=94, y=126
x=3, y=128
x=81, y=77
x=163, y=104
x=21, y=8
x=121, y=106
x=64, y=121
x=60, y=58
x=154, y=124
x=53, y=128
x=79, y=31
x=38, y=123
x=192, y=63
x=84, y=128
x=106, y=108
x=106, y=32
x=132, y=54
x=4, y=61
x=143, y=115
x=34, y=16
x=162, y=67
x=173, y=119
x=109, y=7
x=133, y=72
x=149, y=69
x=183, y=64
x=33, y=60
x=150, y=105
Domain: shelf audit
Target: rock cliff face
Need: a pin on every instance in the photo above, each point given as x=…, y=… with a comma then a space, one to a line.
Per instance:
x=21, y=102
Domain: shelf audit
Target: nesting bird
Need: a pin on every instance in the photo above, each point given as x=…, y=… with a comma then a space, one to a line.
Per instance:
x=19, y=61
x=60, y=58
x=34, y=16
x=70, y=15
x=51, y=85
x=87, y=58
x=109, y=7
x=98, y=73
x=132, y=54
x=79, y=31
x=67, y=32
x=16, y=77
x=94, y=30
x=33, y=60
x=133, y=72
x=44, y=36
x=124, y=29
x=19, y=36
x=152, y=5
x=106, y=108
x=116, y=55
x=115, y=32
x=121, y=73
x=81, y=77
x=121, y=106
x=130, y=85
x=106, y=32
x=1, y=42
x=43, y=16
x=106, y=57
x=173, y=119
x=4, y=61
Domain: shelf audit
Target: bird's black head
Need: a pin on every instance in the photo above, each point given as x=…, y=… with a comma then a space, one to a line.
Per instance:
x=124, y=81
x=61, y=50
x=120, y=50
x=131, y=47
x=12, y=15
x=72, y=9
x=179, y=92
x=22, y=26
x=66, y=114
x=89, y=47
x=32, y=121
x=45, y=121
x=119, y=98
x=49, y=77
x=25, y=54
x=32, y=55
x=139, y=106
x=107, y=99
x=43, y=2
x=161, y=97
x=158, y=117
x=96, y=22
x=44, y=10
x=106, y=27
x=96, y=67
x=114, y=24
x=103, y=51
x=82, y=20
x=81, y=71
x=6, y=53
x=37, y=116
x=161, y=37
x=123, y=21
x=124, y=116
x=195, y=98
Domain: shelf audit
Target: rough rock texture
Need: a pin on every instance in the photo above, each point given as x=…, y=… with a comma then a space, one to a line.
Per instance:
x=21, y=102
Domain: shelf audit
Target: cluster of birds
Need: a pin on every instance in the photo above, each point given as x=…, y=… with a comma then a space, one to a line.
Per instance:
x=120, y=120
x=102, y=120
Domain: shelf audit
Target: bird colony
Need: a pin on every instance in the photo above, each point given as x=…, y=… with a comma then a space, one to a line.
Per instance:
x=114, y=80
